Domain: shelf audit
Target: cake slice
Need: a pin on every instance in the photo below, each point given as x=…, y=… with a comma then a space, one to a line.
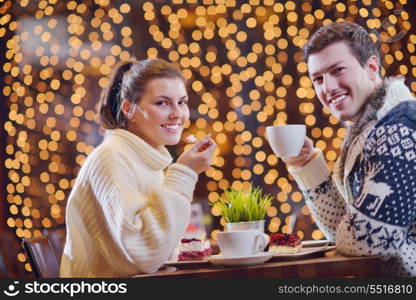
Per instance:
x=194, y=249
x=283, y=243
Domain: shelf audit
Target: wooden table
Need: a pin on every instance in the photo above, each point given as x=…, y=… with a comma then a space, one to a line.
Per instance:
x=331, y=264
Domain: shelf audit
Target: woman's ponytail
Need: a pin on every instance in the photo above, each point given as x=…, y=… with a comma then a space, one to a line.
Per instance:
x=109, y=111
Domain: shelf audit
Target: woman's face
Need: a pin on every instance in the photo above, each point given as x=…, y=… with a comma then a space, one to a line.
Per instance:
x=161, y=112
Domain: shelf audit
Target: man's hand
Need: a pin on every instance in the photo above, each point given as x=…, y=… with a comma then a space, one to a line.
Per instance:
x=305, y=155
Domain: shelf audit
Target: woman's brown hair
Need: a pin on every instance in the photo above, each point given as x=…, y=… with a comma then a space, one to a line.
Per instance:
x=128, y=82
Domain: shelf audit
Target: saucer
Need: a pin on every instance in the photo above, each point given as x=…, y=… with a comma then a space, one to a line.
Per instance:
x=239, y=260
x=305, y=252
x=181, y=264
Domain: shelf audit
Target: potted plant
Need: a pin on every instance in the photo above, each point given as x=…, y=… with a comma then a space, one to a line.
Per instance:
x=244, y=209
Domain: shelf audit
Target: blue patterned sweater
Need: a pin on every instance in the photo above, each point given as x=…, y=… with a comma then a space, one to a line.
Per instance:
x=370, y=207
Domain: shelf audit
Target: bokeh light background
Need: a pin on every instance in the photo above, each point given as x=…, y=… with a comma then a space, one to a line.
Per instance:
x=243, y=60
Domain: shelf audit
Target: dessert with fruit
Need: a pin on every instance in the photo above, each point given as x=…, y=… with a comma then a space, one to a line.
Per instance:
x=284, y=243
x=192, y=249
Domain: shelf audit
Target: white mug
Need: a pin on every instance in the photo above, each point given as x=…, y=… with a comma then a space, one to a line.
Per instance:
x=286, y=140
x=241, y=242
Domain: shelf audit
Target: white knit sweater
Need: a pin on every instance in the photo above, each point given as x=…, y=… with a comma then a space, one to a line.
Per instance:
x=124, y=215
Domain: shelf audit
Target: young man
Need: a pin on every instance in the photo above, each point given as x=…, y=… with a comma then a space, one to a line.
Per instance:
x=368, y=204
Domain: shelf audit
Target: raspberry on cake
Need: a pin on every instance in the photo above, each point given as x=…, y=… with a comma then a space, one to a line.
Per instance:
x=194, y=249
x=283, y=243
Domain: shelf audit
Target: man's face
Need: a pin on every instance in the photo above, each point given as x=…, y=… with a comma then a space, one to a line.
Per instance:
x=341, y=83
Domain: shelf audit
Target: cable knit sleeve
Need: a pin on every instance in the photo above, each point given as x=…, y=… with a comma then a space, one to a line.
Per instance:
x=321, y=194
x=137, y=225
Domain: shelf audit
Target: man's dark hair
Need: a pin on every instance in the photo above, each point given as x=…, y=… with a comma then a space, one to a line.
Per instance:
x=354, y=35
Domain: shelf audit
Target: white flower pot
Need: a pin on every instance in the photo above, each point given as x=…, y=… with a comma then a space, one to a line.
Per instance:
x=246, y=225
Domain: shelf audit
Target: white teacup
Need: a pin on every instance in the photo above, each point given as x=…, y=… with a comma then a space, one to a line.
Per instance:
x=241, y=242
x=286, y=140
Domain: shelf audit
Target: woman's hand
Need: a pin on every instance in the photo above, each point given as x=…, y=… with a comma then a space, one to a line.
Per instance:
x=305, y=155
x=199, y=156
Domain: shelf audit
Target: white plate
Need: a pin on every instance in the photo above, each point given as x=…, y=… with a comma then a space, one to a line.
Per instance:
x=305, y=252
x=315, y=243
x=186, y=263
x=239, y=260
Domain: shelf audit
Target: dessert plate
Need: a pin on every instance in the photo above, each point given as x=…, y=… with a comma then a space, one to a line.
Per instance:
x=186, y=263
x=305, y=252
x=314, y=243
x=239, y=260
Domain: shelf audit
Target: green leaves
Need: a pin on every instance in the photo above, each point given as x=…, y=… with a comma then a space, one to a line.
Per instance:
x=243, y=206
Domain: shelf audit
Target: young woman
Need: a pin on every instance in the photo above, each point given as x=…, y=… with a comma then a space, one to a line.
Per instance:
x=125, y=215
